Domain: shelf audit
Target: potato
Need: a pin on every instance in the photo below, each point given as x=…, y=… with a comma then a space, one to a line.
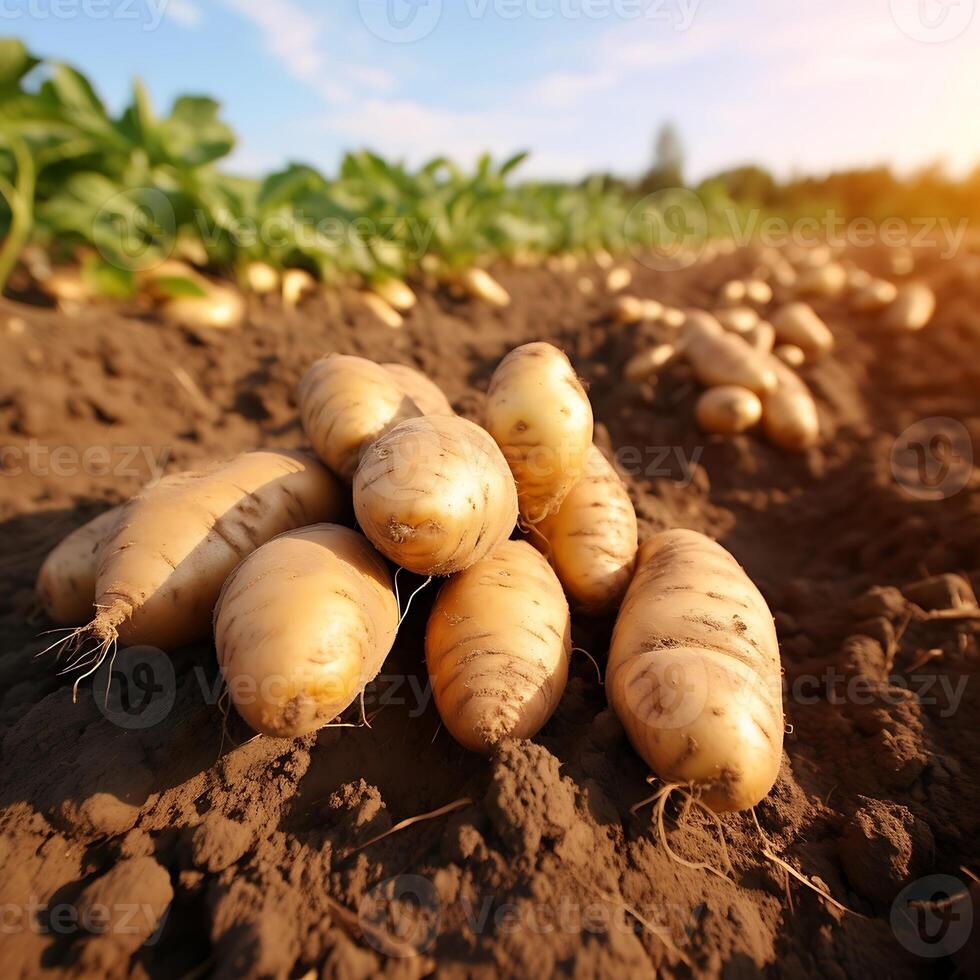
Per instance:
x=758, y=291
x=648, y=362
x=828, y=280
x=738, y=319
x=301, y=626
x=733, y=292
x=162, y=566
x=789, y=413
x=618, y=278
x=790, y=354
x=797, y=323
x=296, y=283
x=875, y=296
x=66, y=581
x=728, y=359
x=425, y=393
x=345, y=404
x=222, y=308
x=262, y=278
x=728, y=410
x=381, y=309
x=912, y=308
x=694, y=672
x=540, y=416
x=497, y=647
x=628, y=310
x=479, y=284
x=397, y=294
x=762, y=337
x=591, y=540
x=434, y=495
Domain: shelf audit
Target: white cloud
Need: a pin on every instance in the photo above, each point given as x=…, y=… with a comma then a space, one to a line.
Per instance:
x=184, y=12
x=296, y=38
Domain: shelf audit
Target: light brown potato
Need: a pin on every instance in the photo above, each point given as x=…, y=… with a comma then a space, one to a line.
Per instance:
x=426, y=394
x=296, y=283
x=66, y=581
x=628, y=310
x=262, y=278
x=397, y=294
x=797, y=323
x=301, y=626
x=497, y=648
x=758, y=291
x=728, y=410
x=435, y=495
x=479, y=284
x=618, y=278
x=790, y=354
x=875, y=296
x=738, y=319
x=728, y=359
x=591, y=541
x=733, y=292
x=648, y=362
x=694, y=672
x=540, y=416
x=223, y=308
x=825, y=280
x=672, y=317
x=162, y=566
x=345, y=404
x=789, y=413
x=912, y=308
x=762, y=337
x=381, y=309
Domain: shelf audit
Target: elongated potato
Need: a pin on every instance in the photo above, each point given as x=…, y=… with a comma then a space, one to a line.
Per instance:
x=694, y=672
x=540, y=416
x=497, y=647
x=727, y=359
x=727, y=410
x=758, y=291
x=301, y=626
x=396, y=294
x=66, y=581
x=591, y=540
x=875, y=296
x=797, y=323
x=479, y=284
x=435, y=495
x=345, y=404
x=762, y=337
x=824, y=280
x=648, y=362
x=738, y=319
x=426, y=394
x=912, y=308
x=790, y=355
x=162, y=567
x=789, y=413
x=381, y=309
x=223, y=308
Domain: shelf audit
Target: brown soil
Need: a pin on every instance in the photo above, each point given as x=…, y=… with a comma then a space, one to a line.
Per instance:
x=180, y=849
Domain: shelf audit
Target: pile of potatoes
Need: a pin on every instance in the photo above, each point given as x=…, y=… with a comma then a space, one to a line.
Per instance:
x=747, y=363
x=521, y=521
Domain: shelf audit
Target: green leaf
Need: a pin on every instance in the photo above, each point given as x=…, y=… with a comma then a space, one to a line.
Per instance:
x=15, y=62
x=176, y=286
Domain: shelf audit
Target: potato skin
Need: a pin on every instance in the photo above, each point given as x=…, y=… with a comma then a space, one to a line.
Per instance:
x=426, y=394
x=728, y=410
x=727, y=359
x=912, y=308
x=345, y=404
x=302, y=625
x=162, y=568
x=694, y=672
x=592, y=539
x=497, y=647
x=540, y=416
x=435, y=495
x=797, y=323
x=789, y=413
x=66, y=581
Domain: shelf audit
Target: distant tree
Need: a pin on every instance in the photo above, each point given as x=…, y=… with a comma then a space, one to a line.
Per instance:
x=749, y=184
x=668, y=161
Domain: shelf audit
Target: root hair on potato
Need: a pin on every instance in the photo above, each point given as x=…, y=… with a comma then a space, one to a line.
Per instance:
x=408, y=605
x=598, y=671
x=690, y=798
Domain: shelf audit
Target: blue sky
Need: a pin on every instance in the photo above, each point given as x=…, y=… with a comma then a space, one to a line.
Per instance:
x=583, y=84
